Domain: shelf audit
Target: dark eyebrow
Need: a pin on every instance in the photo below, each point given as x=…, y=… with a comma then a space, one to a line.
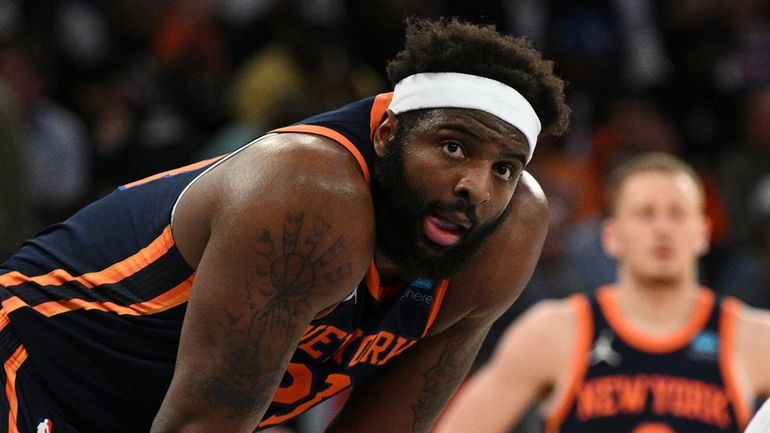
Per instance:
x=515, y=155
x=507, y=152
x=461, y=129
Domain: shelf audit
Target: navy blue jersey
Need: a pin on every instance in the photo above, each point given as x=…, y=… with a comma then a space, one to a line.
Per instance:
x=625, y=381
x=92, y=308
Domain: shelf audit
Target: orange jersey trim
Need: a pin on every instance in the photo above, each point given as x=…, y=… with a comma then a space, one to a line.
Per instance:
x=728, y=362
x=8, y=305
x=438, y=299
x=656, y=344
x=109, y=275
x=584, y=330
x=11, y=366
x=381, y=103
x=376, y=289
x=373, y=282
x=176, y=296
x=172, y=172
x=380, y=293
x=334, y=135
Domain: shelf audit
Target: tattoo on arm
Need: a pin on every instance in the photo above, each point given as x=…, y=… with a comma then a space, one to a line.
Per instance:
x=257, y=333
x=440, y=381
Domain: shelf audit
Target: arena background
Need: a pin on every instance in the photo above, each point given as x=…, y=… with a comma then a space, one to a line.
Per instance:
x=97, y=93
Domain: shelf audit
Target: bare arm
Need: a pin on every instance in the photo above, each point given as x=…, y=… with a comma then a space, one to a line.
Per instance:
x=753, y=337
x=410, y=392
x=524, y=368
x=278, y=251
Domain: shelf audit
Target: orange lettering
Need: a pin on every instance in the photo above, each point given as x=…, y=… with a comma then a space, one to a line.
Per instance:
x=301, y=379
x=596, y=400
x=659, y=387
x=336, y=382
x=693, y=402
x=381, y=342
x=607, y=406
x=632, y=394
x=653, y=427
x=678, y=396
x=586, y=403
x=401, y=345
x=312, y=330
x=362, y=347
x=349, y=339
x=320, y=338
x=716, y=408
x=691, y=399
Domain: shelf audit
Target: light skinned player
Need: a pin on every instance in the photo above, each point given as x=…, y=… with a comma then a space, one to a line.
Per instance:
x=653, y=353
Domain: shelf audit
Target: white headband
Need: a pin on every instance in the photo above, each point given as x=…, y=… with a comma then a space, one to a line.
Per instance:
x=456, y=90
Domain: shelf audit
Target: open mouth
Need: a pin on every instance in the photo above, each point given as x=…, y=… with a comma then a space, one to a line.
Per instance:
x=441, y=230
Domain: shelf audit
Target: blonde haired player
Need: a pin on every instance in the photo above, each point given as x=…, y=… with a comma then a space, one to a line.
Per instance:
x=653, y=353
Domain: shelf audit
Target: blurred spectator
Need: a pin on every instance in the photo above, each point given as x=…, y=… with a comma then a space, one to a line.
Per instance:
x=192, y=60
x=81, y=33
x=306, y=68
x=698, y=36
x=747, y=64
x=55, y=143
x=14, y=205
x=565, y=183
x=746, y=272
x=746, y=161
x=375, y=27
x=634, y=125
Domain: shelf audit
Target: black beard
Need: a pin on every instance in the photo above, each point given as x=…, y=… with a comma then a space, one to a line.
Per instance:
x=399, y=211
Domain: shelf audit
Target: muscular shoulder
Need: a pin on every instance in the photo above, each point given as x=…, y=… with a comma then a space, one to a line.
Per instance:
x=541, y=338
x=753, y=337
x=754, y=324
x=278, y=182
x=530, y=197
x=545, y=321
x=293, y=168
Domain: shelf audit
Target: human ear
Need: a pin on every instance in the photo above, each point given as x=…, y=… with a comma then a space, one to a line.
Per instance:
x=704, y=236
x=385, y=132
x=610, y=241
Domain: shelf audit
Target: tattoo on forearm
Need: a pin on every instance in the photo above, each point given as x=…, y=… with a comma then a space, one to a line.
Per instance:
x=440, y=381
x=258, y=331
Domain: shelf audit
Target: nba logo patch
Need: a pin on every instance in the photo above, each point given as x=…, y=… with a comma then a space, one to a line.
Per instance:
x=44, y=425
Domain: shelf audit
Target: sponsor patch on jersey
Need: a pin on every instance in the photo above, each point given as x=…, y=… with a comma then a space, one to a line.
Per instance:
x=419, y=292
x=704, y=346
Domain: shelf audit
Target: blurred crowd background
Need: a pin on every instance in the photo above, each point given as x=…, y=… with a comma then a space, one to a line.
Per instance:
x=98, y=93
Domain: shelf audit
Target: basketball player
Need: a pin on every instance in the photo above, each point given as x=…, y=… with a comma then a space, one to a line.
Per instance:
x=362, y=248
x=653, y=353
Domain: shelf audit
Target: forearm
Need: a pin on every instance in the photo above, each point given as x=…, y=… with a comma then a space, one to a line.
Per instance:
x=227, y=383
x=408, y=396
x=484, y=404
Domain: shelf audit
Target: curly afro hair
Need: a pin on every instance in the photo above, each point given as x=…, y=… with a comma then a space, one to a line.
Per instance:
x=449, y=45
